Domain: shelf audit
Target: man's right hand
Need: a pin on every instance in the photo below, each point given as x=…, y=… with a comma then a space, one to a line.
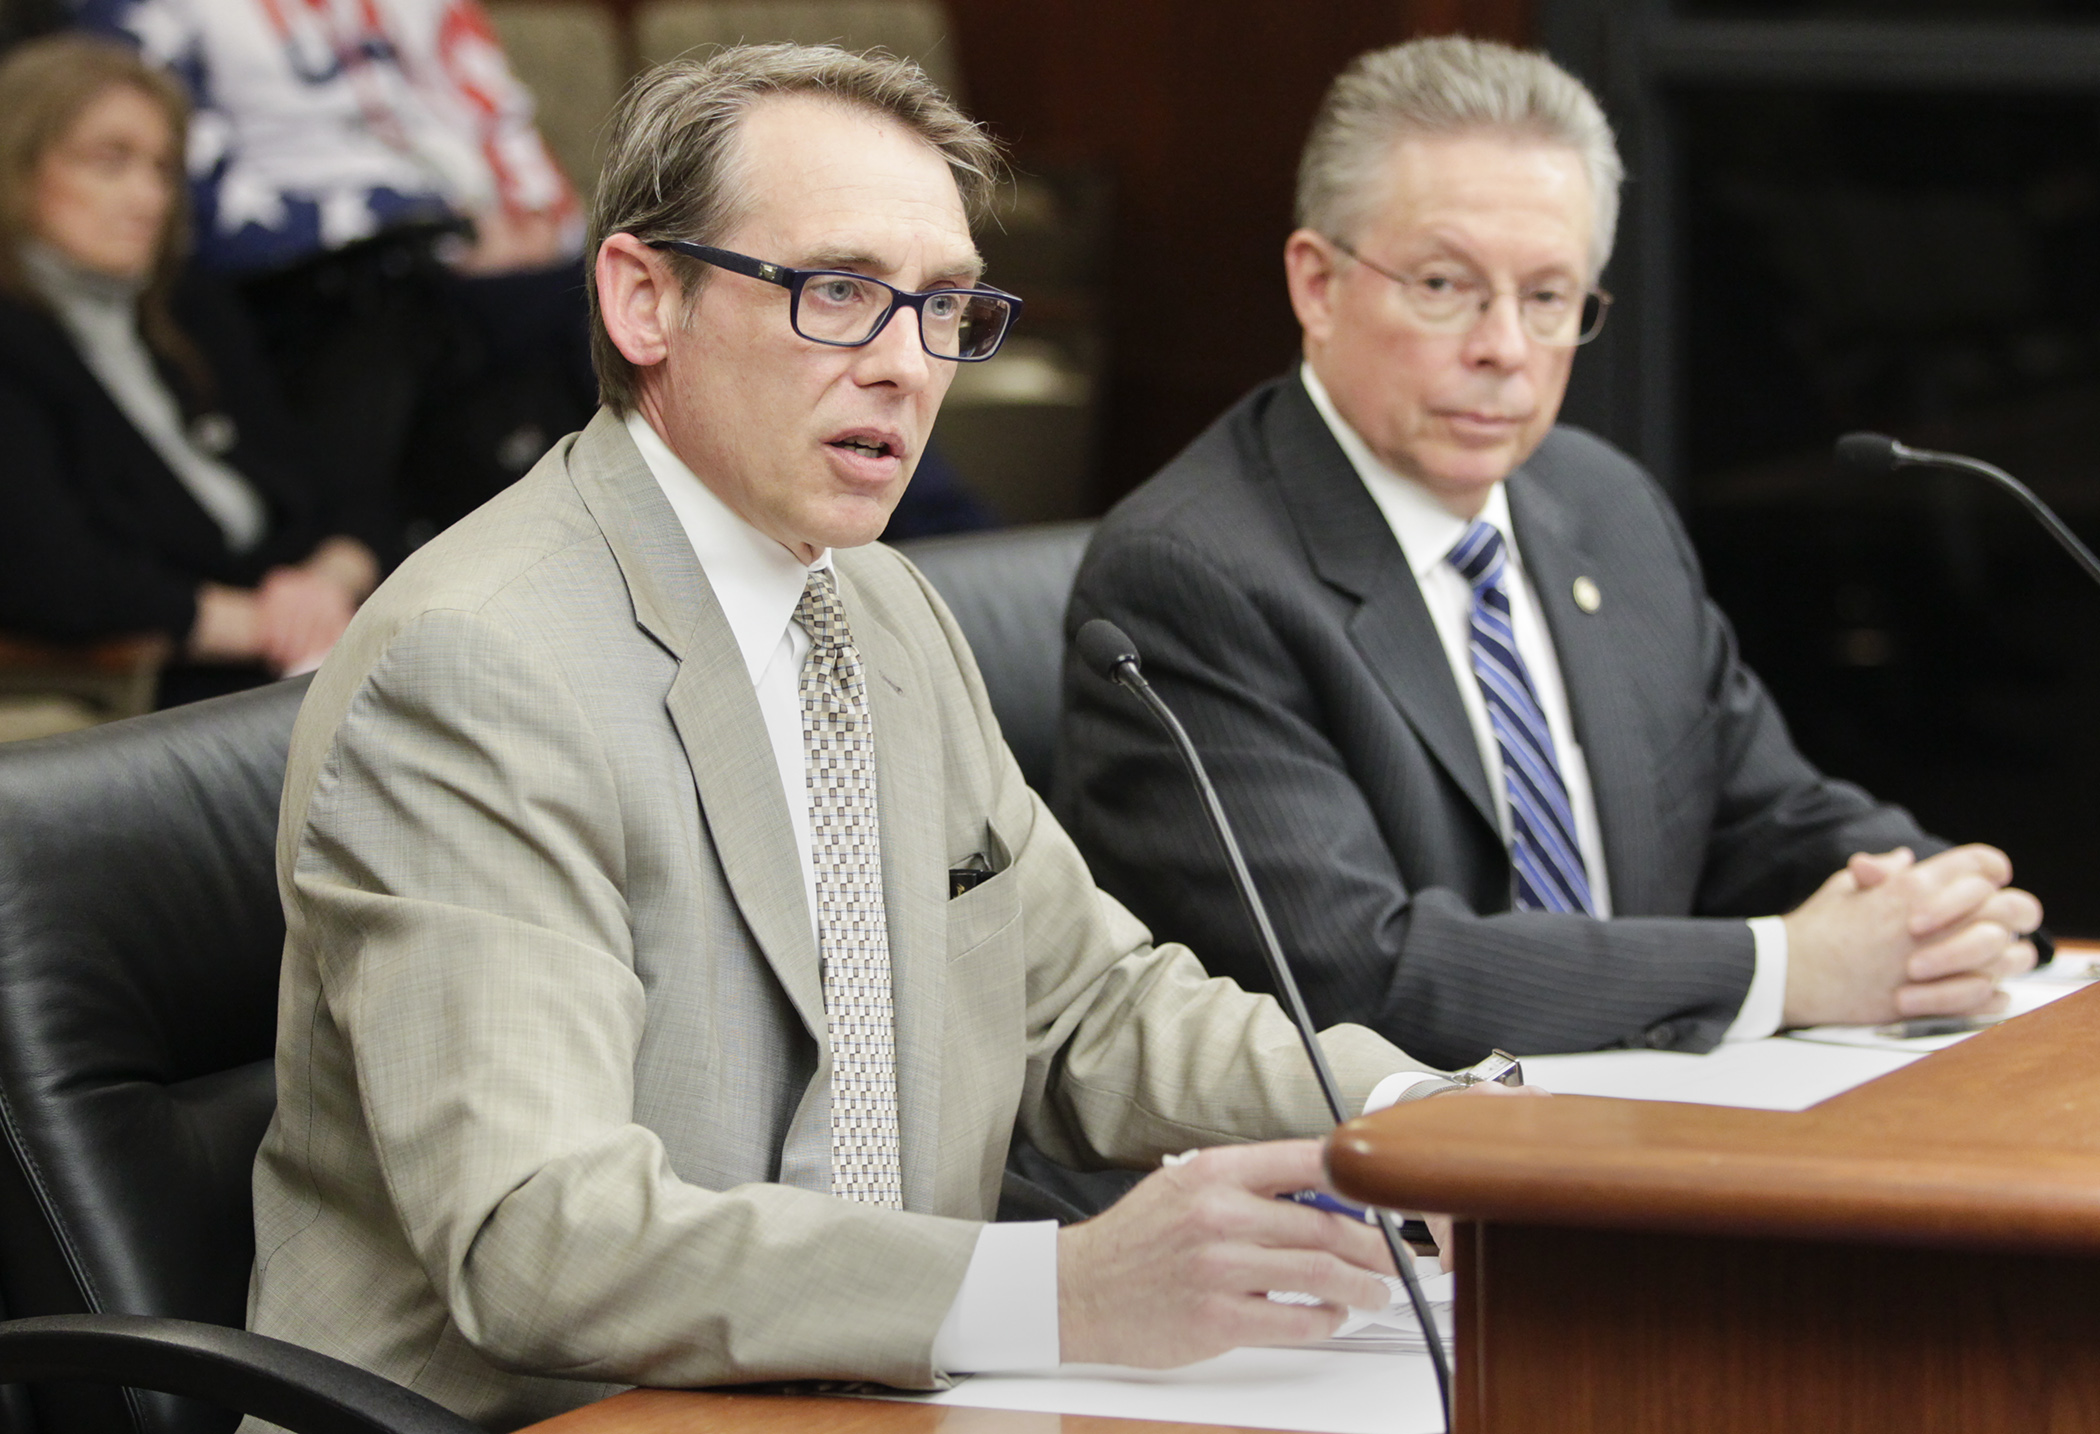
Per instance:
x=1179, y=1269
x=1889, y=937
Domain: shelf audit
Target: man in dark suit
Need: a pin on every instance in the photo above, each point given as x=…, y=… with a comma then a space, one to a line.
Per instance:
x=1497, y=765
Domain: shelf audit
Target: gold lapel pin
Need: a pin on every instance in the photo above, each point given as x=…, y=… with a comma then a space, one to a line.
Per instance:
x=1586, y=595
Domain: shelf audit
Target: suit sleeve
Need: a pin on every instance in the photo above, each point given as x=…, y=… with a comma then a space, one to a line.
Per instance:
x=459, y=890
x=1134, y=1051
x=1420, y=966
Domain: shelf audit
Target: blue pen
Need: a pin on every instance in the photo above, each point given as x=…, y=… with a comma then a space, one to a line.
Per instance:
x=1321, y=1200
x=1317, y=1199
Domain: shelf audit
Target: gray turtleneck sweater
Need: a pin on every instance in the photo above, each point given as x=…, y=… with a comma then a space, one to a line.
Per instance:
x=101, y=314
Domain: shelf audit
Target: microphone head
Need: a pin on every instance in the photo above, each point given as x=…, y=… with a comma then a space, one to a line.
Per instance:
x=1104, y=648
x=1870, y=452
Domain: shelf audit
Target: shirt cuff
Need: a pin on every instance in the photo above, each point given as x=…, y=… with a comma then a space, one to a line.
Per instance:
x=1403, y=1086
x=1005, y=1314
x=1765, y=1002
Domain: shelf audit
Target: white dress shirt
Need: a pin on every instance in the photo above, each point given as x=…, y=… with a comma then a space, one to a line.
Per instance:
x=1005, y=1313
x=1426, y=532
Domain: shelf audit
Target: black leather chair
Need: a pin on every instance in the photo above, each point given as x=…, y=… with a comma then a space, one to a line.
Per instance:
x=140, y=937
x=1008, y=591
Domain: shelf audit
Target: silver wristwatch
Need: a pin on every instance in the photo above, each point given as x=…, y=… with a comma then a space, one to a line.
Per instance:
x=1500, y=1068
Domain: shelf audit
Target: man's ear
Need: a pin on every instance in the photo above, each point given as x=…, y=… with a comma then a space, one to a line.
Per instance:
x=1309, y=264
x=638, y=297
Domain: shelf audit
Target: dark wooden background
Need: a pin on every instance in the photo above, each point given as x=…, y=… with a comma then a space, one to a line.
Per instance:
x=1196, y=110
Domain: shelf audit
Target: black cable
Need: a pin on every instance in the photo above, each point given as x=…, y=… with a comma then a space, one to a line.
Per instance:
x=1108, y=650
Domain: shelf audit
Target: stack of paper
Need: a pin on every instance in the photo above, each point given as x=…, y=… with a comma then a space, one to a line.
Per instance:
x=1394, y=1329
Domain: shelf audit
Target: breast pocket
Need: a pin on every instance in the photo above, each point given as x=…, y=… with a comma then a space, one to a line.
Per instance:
x=979, y=916
x=985, y=1009
x=989, y=907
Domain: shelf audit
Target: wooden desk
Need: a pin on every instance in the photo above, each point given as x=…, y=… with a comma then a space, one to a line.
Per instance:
x=1639, y=1266
x=1920, y=1254
x=679, y=1411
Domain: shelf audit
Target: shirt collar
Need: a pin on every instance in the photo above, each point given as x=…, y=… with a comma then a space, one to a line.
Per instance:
x=61, y=281
x=755, y=579
x=1425, y=529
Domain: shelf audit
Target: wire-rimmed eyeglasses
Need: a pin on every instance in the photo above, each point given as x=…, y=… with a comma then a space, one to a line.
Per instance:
x=1449, y=299
x=845, y=309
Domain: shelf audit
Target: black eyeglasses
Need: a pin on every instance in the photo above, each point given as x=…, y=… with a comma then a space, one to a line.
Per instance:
x=845, y=310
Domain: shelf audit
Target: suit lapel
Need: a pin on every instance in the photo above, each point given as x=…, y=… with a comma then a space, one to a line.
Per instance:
x=712, y=706
x=909, y=795
x=1604, y=698
x=157, y=512
x=1352, y=548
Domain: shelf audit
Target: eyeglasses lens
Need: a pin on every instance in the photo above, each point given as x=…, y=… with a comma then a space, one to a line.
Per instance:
x=841, y=309
x=978, y=325
x=846, y=309
x=1554, y=321
x=1443, y=302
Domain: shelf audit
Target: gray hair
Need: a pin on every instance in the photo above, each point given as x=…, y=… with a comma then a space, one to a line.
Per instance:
x=1444, y=86
x=670, y=164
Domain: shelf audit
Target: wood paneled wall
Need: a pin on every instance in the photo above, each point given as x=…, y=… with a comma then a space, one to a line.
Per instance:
x=1196, y=109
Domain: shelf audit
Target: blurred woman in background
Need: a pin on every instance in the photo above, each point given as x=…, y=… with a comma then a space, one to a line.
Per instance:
x=150, y=480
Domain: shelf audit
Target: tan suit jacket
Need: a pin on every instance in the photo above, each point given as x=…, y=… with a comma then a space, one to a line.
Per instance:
x=550, y=1060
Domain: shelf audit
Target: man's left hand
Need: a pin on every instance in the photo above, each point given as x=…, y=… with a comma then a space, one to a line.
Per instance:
x=1970, y=923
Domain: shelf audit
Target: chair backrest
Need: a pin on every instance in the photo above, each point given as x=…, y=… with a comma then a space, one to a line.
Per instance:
x=1008, y=591
x=140, y=938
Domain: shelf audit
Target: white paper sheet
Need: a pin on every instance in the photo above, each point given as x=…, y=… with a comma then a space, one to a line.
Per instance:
x=1394, y=1329
x=1323, y=1391
x=1776, y=1074
x=1783, y=1073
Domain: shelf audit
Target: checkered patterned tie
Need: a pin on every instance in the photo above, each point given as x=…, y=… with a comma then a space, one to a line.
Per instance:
x=838, y=739
x=1547, y=869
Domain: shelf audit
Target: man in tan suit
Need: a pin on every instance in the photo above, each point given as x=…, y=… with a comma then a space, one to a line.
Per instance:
x=632, y=1030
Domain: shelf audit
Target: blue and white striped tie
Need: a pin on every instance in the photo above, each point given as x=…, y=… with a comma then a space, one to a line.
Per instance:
x=1545, y=861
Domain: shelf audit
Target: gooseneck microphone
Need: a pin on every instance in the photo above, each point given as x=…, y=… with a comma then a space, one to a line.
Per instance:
x=1110, y=654
x=1878, y=453
x=1108, y=651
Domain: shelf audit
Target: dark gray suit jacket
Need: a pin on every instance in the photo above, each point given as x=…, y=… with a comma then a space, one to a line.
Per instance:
x=1278, y=617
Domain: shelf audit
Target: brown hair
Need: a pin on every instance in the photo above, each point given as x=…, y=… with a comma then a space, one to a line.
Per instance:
x=45, y=87
x=669, y=166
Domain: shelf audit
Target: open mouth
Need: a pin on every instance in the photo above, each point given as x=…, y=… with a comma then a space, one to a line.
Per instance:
x=873, y=447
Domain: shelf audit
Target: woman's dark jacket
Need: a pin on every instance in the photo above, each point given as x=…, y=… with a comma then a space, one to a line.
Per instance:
x=98, y=537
